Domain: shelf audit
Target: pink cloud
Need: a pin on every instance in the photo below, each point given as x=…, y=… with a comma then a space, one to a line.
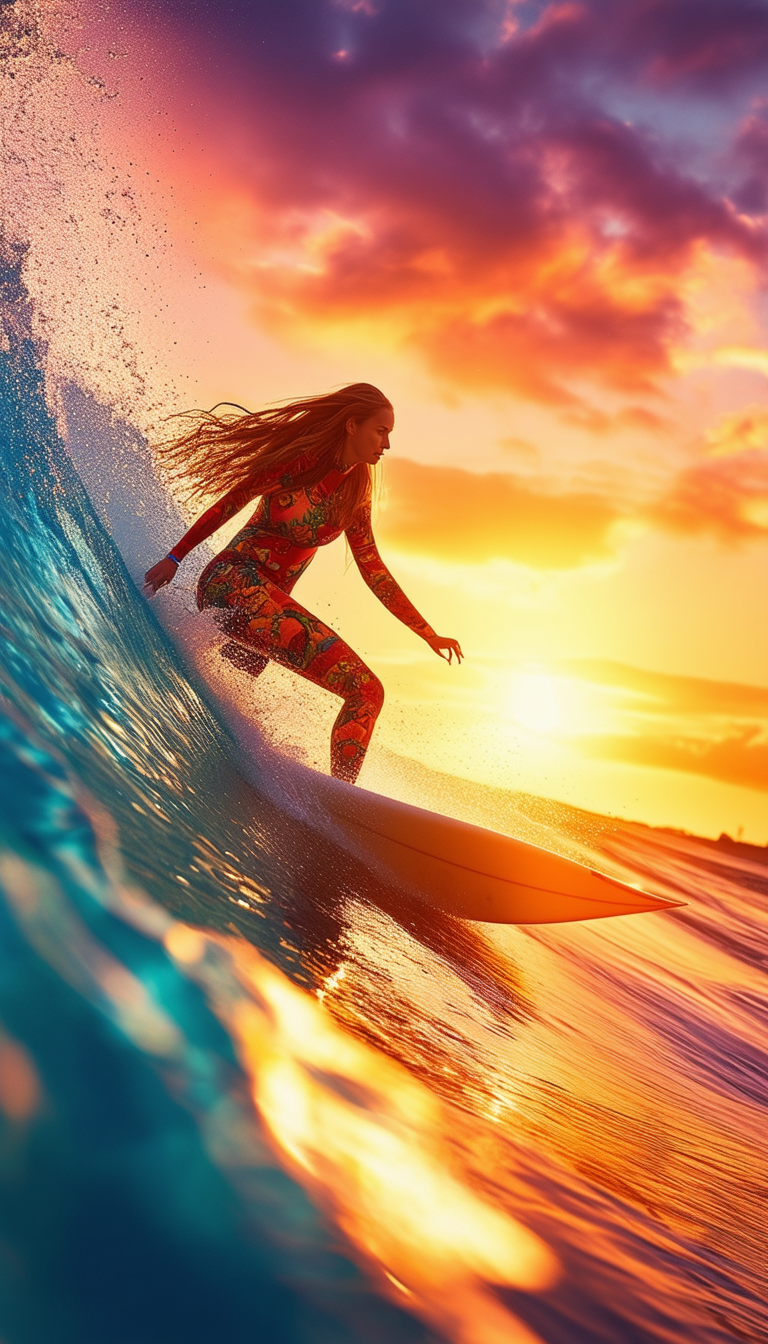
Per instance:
x=724, y=497
x=496, y=207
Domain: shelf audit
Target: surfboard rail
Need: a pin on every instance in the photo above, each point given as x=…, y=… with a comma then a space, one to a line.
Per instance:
x=477, y=874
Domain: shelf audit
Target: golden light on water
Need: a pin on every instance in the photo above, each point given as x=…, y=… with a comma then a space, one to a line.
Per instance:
x=367, y=1138
x=20, y=1086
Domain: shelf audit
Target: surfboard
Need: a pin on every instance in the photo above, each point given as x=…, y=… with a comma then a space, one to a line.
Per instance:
x=473, y=873
x=455, y=866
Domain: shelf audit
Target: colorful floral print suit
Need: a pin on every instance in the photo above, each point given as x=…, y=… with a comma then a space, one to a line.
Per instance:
x=251, y=581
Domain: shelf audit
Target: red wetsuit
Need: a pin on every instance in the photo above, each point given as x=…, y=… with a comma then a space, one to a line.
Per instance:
x=251, y=581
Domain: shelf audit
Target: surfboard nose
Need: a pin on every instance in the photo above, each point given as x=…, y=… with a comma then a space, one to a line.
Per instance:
x=478, y=874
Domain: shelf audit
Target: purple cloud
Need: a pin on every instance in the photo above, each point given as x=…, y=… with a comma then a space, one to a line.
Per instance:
x=498, y=207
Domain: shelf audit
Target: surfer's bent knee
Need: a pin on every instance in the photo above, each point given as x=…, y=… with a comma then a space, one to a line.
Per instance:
x=374, y=693
x=349, y=677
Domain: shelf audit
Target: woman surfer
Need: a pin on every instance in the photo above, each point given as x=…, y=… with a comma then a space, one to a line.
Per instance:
x=311, y=462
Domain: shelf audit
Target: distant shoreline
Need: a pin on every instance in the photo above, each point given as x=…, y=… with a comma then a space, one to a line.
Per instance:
x=758, y=853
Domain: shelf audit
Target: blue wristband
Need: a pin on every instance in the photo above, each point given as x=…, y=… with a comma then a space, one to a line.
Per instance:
x=171, y=556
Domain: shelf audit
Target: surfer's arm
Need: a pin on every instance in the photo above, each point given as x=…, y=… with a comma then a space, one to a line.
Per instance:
x=375, y=573
x=219, y=514
x=363, y=547
x=210, y=521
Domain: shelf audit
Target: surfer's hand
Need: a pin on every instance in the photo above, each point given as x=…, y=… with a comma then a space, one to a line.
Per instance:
x=445, y=648
x=158, y=576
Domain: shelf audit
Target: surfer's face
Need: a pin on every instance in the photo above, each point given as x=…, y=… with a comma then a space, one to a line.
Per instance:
x=366, y=440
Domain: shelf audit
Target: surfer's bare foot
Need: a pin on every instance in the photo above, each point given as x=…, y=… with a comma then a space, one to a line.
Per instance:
x=246, y=660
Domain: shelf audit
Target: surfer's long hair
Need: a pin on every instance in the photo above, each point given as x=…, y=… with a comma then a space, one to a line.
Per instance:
x=219, y=452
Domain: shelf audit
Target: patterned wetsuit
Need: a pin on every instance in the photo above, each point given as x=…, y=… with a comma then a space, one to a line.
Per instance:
x=251, y=582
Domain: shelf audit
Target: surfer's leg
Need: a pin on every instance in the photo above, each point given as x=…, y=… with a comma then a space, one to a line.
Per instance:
x=272, y=624
x=363, y=696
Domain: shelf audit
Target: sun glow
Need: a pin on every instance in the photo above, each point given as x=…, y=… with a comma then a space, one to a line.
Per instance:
x=551, y=703
x=536, y=701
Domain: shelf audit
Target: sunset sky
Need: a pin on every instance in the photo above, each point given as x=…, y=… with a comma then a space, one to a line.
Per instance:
x=542, y=229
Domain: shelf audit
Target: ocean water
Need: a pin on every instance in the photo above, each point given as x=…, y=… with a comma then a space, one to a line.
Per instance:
x=248, y=1090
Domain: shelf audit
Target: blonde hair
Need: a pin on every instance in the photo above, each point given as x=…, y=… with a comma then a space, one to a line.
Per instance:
x=220, y=452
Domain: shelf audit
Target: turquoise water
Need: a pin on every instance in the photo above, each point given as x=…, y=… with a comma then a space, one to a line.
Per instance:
x=336, y=1115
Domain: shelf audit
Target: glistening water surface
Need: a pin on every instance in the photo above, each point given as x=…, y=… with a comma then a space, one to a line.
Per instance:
x=251, y=1092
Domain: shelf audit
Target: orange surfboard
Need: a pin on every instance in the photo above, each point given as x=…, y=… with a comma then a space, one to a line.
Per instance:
x=473, y=873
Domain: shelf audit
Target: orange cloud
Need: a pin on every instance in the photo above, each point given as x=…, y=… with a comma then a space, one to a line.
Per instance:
x=713, y=728
x=630, y=417
x=459, y=516
x=495, y=192
x=673, y=694
x=464, y=517
x=551, y=304
x=738, y=759
x=740, y=432
x=725, y=497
